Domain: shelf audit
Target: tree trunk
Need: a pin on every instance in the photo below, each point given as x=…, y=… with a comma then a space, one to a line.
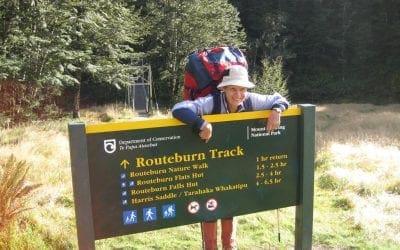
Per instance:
x=77, y=99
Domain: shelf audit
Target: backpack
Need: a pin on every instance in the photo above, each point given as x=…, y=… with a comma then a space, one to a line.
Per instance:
x=206, y=67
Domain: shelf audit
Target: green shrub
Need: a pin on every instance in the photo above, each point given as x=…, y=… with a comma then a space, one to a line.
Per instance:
x=343, y=203
x=271, y=79
x=105, y=117
x=366, y=190
x=330, y=182
x=323, y=160
x=394, y=187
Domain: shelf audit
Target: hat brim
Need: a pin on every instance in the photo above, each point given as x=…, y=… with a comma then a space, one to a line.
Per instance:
x=240, y=83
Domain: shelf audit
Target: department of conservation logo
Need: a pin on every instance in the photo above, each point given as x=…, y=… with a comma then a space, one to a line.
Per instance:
x=110, y=145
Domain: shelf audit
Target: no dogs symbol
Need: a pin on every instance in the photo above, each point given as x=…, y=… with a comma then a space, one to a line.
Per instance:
x=193, y=207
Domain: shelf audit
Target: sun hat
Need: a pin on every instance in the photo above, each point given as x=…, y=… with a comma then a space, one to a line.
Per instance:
x=237, y=76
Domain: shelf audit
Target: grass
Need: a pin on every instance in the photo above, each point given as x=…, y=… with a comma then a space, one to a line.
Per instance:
x=357, y=189
x=358, y=167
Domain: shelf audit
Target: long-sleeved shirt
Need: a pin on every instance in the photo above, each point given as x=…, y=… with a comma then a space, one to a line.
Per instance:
x=190, y=112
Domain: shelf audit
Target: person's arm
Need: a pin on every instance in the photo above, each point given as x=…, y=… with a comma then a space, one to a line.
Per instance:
x=274, y=120
x=186, y=115
x=266, y=102
x=190, y=112
x=275, y=102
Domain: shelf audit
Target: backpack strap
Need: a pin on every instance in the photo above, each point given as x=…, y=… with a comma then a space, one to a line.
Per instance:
x=217, y=103
x=247, y=104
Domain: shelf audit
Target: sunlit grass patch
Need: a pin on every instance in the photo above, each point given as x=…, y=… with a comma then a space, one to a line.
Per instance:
x=46, y=152
x=22, y=236
x=367, y=166
x=116, y=113
x=358, y=181
x=353, y=123
x=379, y=216
x=11, y=137
x=365, y=178
x=182, y=237
x=366, y=155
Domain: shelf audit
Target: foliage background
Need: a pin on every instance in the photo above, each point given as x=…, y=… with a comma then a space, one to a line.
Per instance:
x=332, y=50
x=329, y=51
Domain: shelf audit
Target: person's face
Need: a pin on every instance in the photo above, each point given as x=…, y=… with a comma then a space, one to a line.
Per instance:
x=235, y=95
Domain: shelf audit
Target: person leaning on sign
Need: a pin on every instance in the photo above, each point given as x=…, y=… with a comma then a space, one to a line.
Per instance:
x=233, y=98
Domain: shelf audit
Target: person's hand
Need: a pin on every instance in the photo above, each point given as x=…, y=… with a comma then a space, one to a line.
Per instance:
x=206, y=131
x=274, y=120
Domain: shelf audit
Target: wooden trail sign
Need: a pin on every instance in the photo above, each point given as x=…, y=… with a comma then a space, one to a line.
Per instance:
x=139, y=176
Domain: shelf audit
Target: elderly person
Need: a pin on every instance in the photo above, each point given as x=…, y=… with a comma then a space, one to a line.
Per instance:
x=233, y=97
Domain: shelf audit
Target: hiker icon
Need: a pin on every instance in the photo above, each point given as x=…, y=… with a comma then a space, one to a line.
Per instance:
x=129, y=217
x=168, y=211
x=149, y=214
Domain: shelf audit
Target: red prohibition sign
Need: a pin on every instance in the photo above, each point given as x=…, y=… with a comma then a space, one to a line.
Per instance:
x=211, y=204
x=193, y=207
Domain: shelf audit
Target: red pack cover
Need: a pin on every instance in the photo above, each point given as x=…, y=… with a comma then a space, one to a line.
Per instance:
x=206, y=67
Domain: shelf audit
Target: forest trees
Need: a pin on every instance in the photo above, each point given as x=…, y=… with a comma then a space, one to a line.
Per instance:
x=65, y=43
x=61, y=42
x=330, y=51
x=101, y=35
x=180, y=27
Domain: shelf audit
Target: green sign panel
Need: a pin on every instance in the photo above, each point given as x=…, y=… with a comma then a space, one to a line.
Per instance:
x=155, y=174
